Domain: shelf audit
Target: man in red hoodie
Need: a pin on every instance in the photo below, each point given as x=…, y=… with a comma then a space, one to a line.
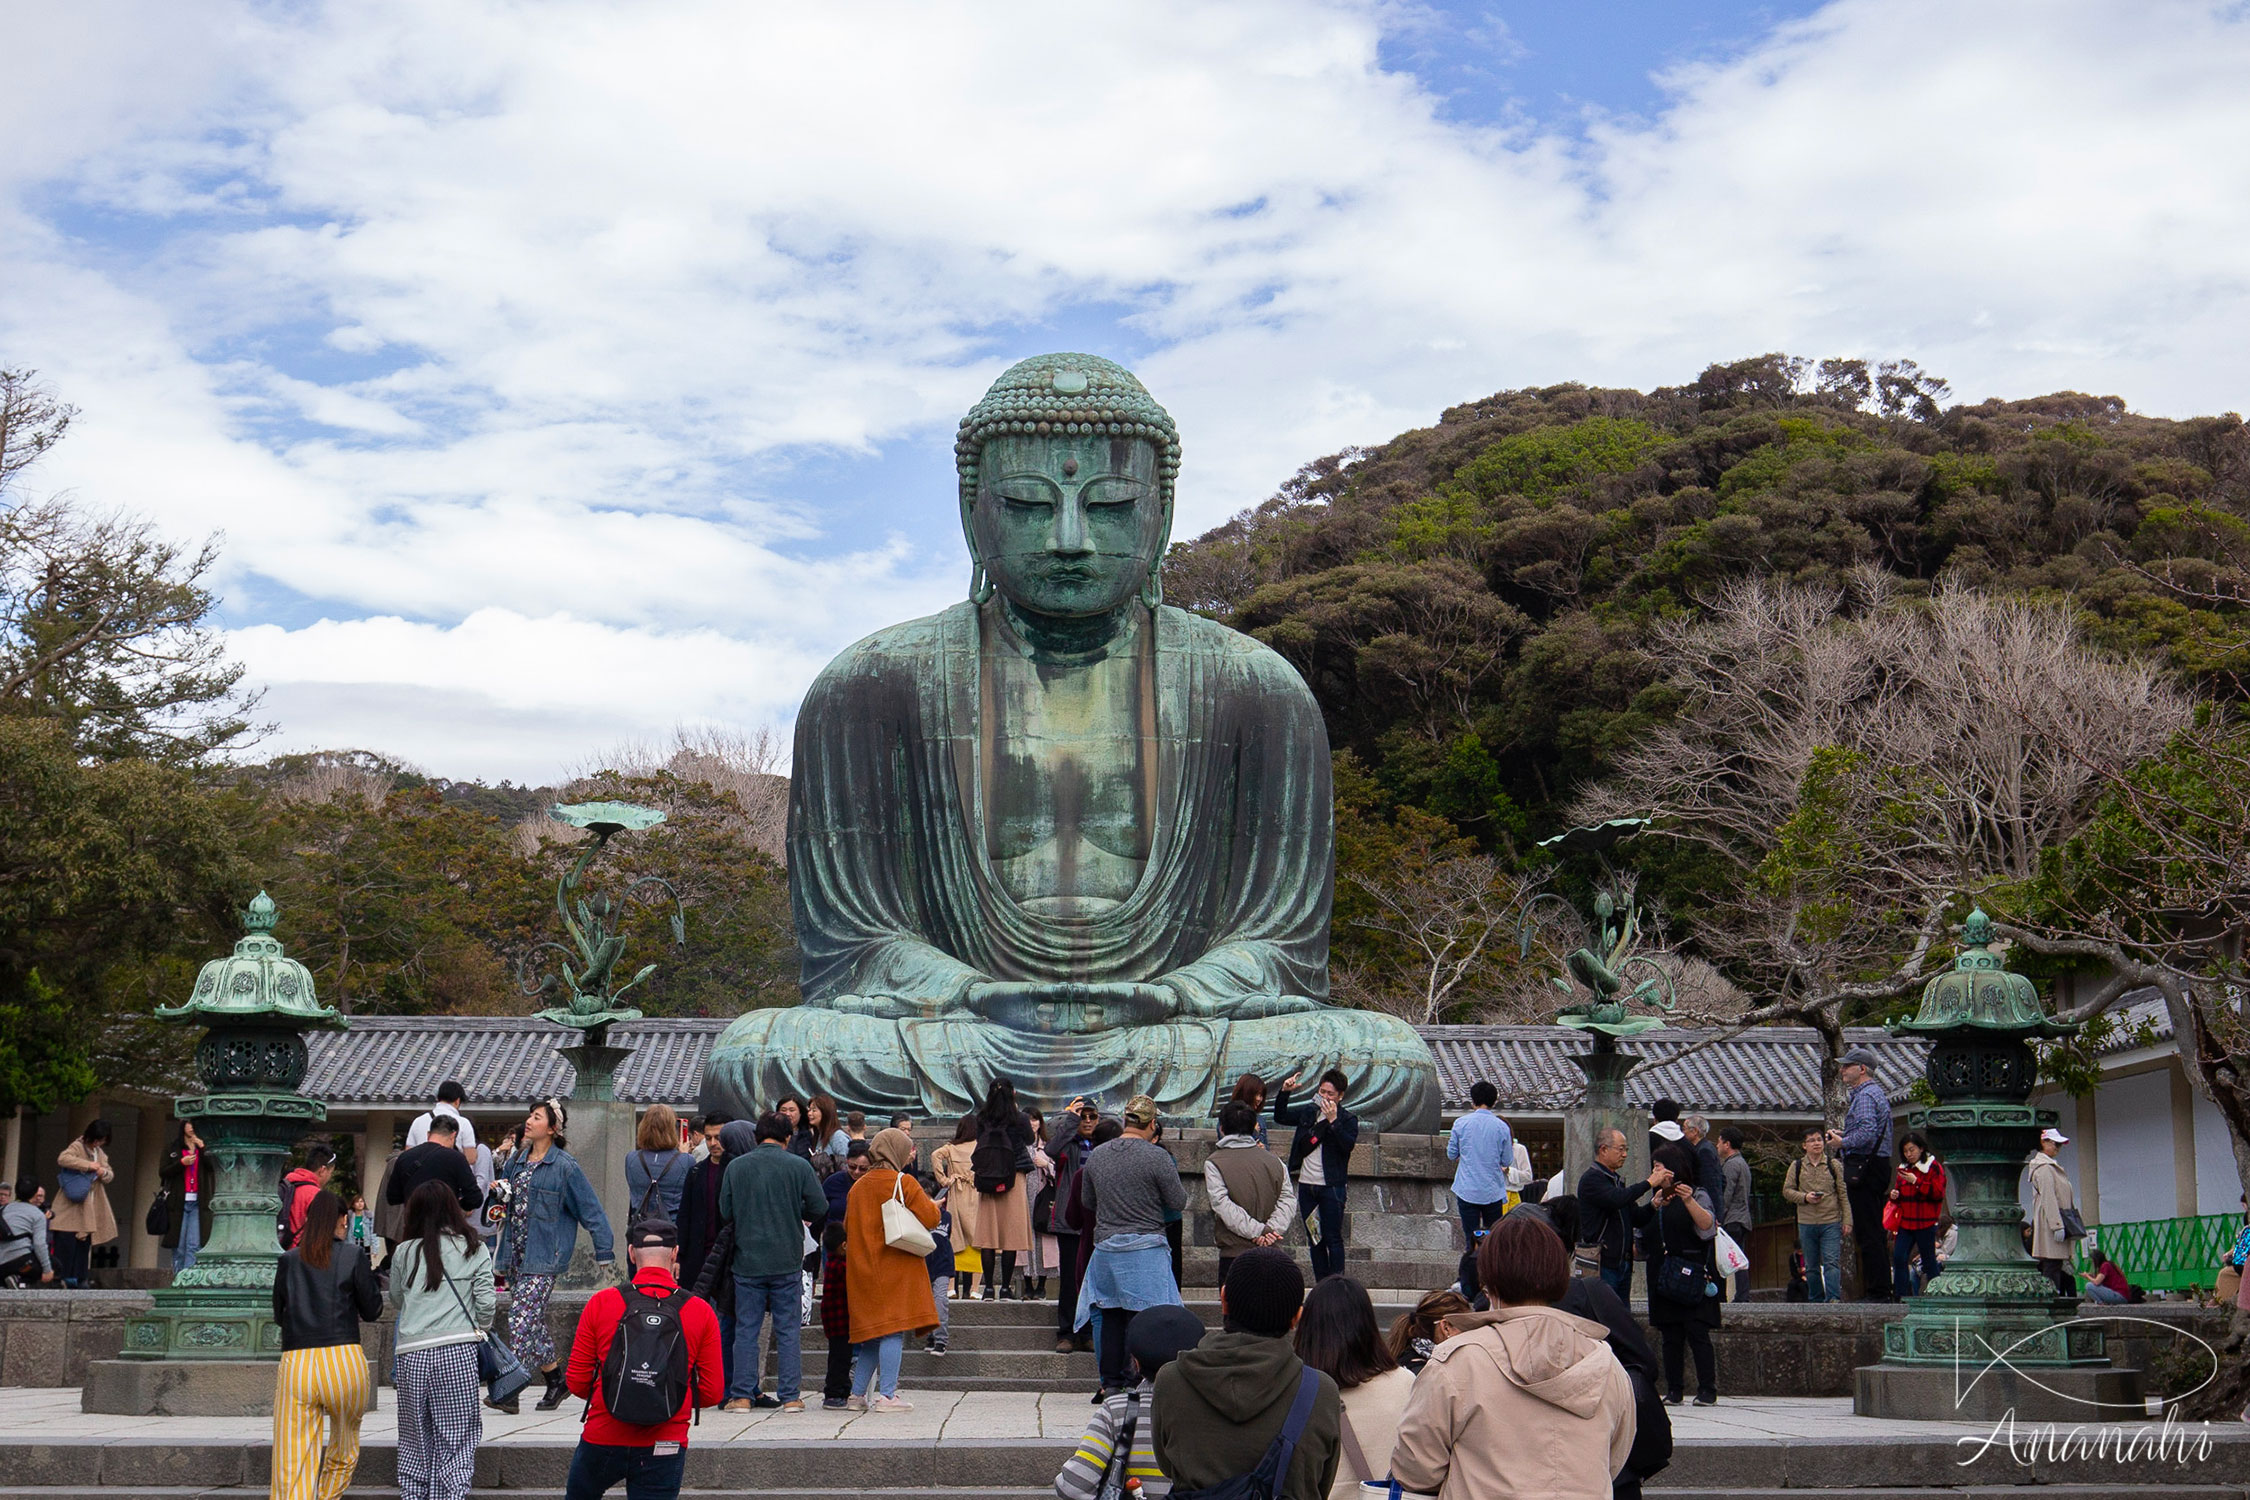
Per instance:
x=649, y=1458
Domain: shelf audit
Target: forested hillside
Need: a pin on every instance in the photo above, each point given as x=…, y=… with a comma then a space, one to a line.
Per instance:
x=1477, y=604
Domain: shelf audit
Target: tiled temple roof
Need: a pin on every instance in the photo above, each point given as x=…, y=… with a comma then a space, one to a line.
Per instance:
x=389, y=1062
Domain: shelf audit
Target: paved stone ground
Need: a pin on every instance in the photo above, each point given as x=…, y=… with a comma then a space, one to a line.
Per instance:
x=938, y=1416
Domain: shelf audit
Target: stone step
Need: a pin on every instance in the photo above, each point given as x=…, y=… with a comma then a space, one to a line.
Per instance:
x=919, y=1368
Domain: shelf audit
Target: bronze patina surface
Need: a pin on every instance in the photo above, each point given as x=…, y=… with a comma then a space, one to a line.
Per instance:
x=1061, y=832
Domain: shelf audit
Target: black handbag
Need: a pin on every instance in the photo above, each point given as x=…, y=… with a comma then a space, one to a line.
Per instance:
x=1680, y=1279
x=159, y=1217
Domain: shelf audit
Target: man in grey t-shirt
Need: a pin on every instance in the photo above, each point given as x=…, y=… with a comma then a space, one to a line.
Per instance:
x=1734, y=1202
x=1132, y=1186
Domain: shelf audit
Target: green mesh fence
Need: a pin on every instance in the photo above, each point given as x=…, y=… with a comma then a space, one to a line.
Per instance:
x=2165, y=1254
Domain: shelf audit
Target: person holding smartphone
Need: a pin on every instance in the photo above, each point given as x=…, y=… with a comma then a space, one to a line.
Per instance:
x=1320, y=1158
x=1074, y=1137
x=1824, y=1216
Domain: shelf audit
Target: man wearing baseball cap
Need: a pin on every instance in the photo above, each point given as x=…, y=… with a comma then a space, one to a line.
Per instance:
x=1865, y=1146
x=649, y=1458
x=1131, y=1186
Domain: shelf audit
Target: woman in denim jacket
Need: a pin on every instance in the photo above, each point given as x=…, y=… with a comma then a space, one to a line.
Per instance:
x=544, y=1200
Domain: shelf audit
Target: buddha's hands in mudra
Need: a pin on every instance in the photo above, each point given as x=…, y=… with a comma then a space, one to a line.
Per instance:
x=1070, y=1009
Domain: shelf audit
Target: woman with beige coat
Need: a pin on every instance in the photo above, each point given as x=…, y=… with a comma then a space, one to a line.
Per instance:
x=82, y=1220
x=2051, y=1193
x=1531, y=1403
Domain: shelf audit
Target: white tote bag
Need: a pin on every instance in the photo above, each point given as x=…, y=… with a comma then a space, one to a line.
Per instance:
x=1732, y=1257
x=901, y=1230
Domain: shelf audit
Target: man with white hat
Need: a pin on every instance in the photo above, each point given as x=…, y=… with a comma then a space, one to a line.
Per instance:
x=2051, y=1194
x=1864, y=1144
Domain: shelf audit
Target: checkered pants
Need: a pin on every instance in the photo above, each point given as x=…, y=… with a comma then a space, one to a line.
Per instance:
x=439, y=1424
x=528, y=1334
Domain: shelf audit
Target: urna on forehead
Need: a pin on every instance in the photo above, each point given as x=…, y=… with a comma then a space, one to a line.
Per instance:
x=1068, y=394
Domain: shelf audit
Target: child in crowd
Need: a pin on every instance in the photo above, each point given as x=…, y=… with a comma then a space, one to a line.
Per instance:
x=1126, y=1419
x=940, y=1262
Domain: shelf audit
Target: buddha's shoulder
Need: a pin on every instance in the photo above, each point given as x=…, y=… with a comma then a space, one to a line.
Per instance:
x=902, y=651
x=1244, y=658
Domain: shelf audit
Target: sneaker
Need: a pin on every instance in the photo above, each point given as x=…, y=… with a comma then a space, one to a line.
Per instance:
x=1671, y=1400
x=834, y=1403
x=764, y=1402
x=855, y=1403
x=1707, y=1399
x=935, y=1348
x=792, y=1406
x=739, y=1403
x=1066, y=1346
x=889, y=1403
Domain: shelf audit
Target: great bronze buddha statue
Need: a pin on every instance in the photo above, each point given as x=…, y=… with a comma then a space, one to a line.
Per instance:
x=1062, y=832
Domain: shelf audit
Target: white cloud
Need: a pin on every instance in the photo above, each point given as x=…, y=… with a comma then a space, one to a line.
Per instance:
x=452, y=311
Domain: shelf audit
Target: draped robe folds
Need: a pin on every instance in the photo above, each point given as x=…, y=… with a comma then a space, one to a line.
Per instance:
x=899, y=910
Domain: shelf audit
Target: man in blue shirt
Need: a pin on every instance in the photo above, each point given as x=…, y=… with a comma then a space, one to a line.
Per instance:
x=1484, y=1148
x=1865, y=1146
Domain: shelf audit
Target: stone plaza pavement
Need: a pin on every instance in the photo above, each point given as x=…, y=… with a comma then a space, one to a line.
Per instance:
x=998, y=1445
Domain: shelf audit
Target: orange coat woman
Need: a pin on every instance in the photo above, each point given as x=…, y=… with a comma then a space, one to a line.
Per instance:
x=887, y=1290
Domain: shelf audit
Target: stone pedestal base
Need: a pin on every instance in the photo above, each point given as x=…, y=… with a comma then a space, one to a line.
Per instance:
x=185, y=1388
x=1935, y=1393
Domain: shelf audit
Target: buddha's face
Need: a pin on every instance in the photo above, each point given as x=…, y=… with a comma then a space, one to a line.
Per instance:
x=1068, y=526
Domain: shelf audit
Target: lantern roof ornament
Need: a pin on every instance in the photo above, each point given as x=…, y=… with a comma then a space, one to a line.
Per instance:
x=257, y=984
x=1979, y=993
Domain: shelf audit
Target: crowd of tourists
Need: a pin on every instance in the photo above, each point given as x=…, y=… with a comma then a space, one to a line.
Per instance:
x=743, y=1233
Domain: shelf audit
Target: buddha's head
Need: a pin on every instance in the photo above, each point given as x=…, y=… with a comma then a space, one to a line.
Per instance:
x=1066, y=487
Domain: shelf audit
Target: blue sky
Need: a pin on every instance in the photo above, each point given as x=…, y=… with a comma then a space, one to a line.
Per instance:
x=562, y=374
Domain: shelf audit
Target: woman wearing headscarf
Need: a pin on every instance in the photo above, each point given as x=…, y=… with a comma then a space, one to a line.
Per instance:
x=887, y=1289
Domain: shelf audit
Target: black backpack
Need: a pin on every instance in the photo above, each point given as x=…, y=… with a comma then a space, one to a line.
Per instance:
x=994, y=1160
x=283, y=1230
x=646, y=1375
x=1266, y=1481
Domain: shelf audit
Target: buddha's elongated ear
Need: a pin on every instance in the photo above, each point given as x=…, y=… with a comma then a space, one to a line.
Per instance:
x=980, y=582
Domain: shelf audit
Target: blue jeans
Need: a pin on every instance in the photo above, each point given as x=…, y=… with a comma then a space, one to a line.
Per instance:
x=2096, y=1292
x=755, y=1299
x=726, y=1350
x=191, y=1237
x=1620, y=1280
x=876, y=1363
x=941, y=1292
x=1823, y=1245
x=596, y=1467
x=1903, y=1248
x=1328, y=1247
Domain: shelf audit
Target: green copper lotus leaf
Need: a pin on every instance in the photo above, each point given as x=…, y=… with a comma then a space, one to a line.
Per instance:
x=605, y=818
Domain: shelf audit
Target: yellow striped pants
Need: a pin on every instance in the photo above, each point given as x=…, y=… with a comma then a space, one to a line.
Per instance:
x=318, y=1387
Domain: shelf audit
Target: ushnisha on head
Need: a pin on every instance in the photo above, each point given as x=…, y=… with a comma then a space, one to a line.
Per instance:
x=1067, y=471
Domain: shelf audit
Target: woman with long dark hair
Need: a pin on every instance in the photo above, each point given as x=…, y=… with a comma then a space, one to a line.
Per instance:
x=1001, y=1229
x=546, y=1199
x=323, y=1289
x=442, y=1291
x=1918, y=1188
x=1250, y=1089
x=1337, y=1335
x=186, y=1175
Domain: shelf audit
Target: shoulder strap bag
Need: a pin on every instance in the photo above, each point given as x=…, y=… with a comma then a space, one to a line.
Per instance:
x=901, y=1230
x=1119, y=1471
x=501, y=1373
